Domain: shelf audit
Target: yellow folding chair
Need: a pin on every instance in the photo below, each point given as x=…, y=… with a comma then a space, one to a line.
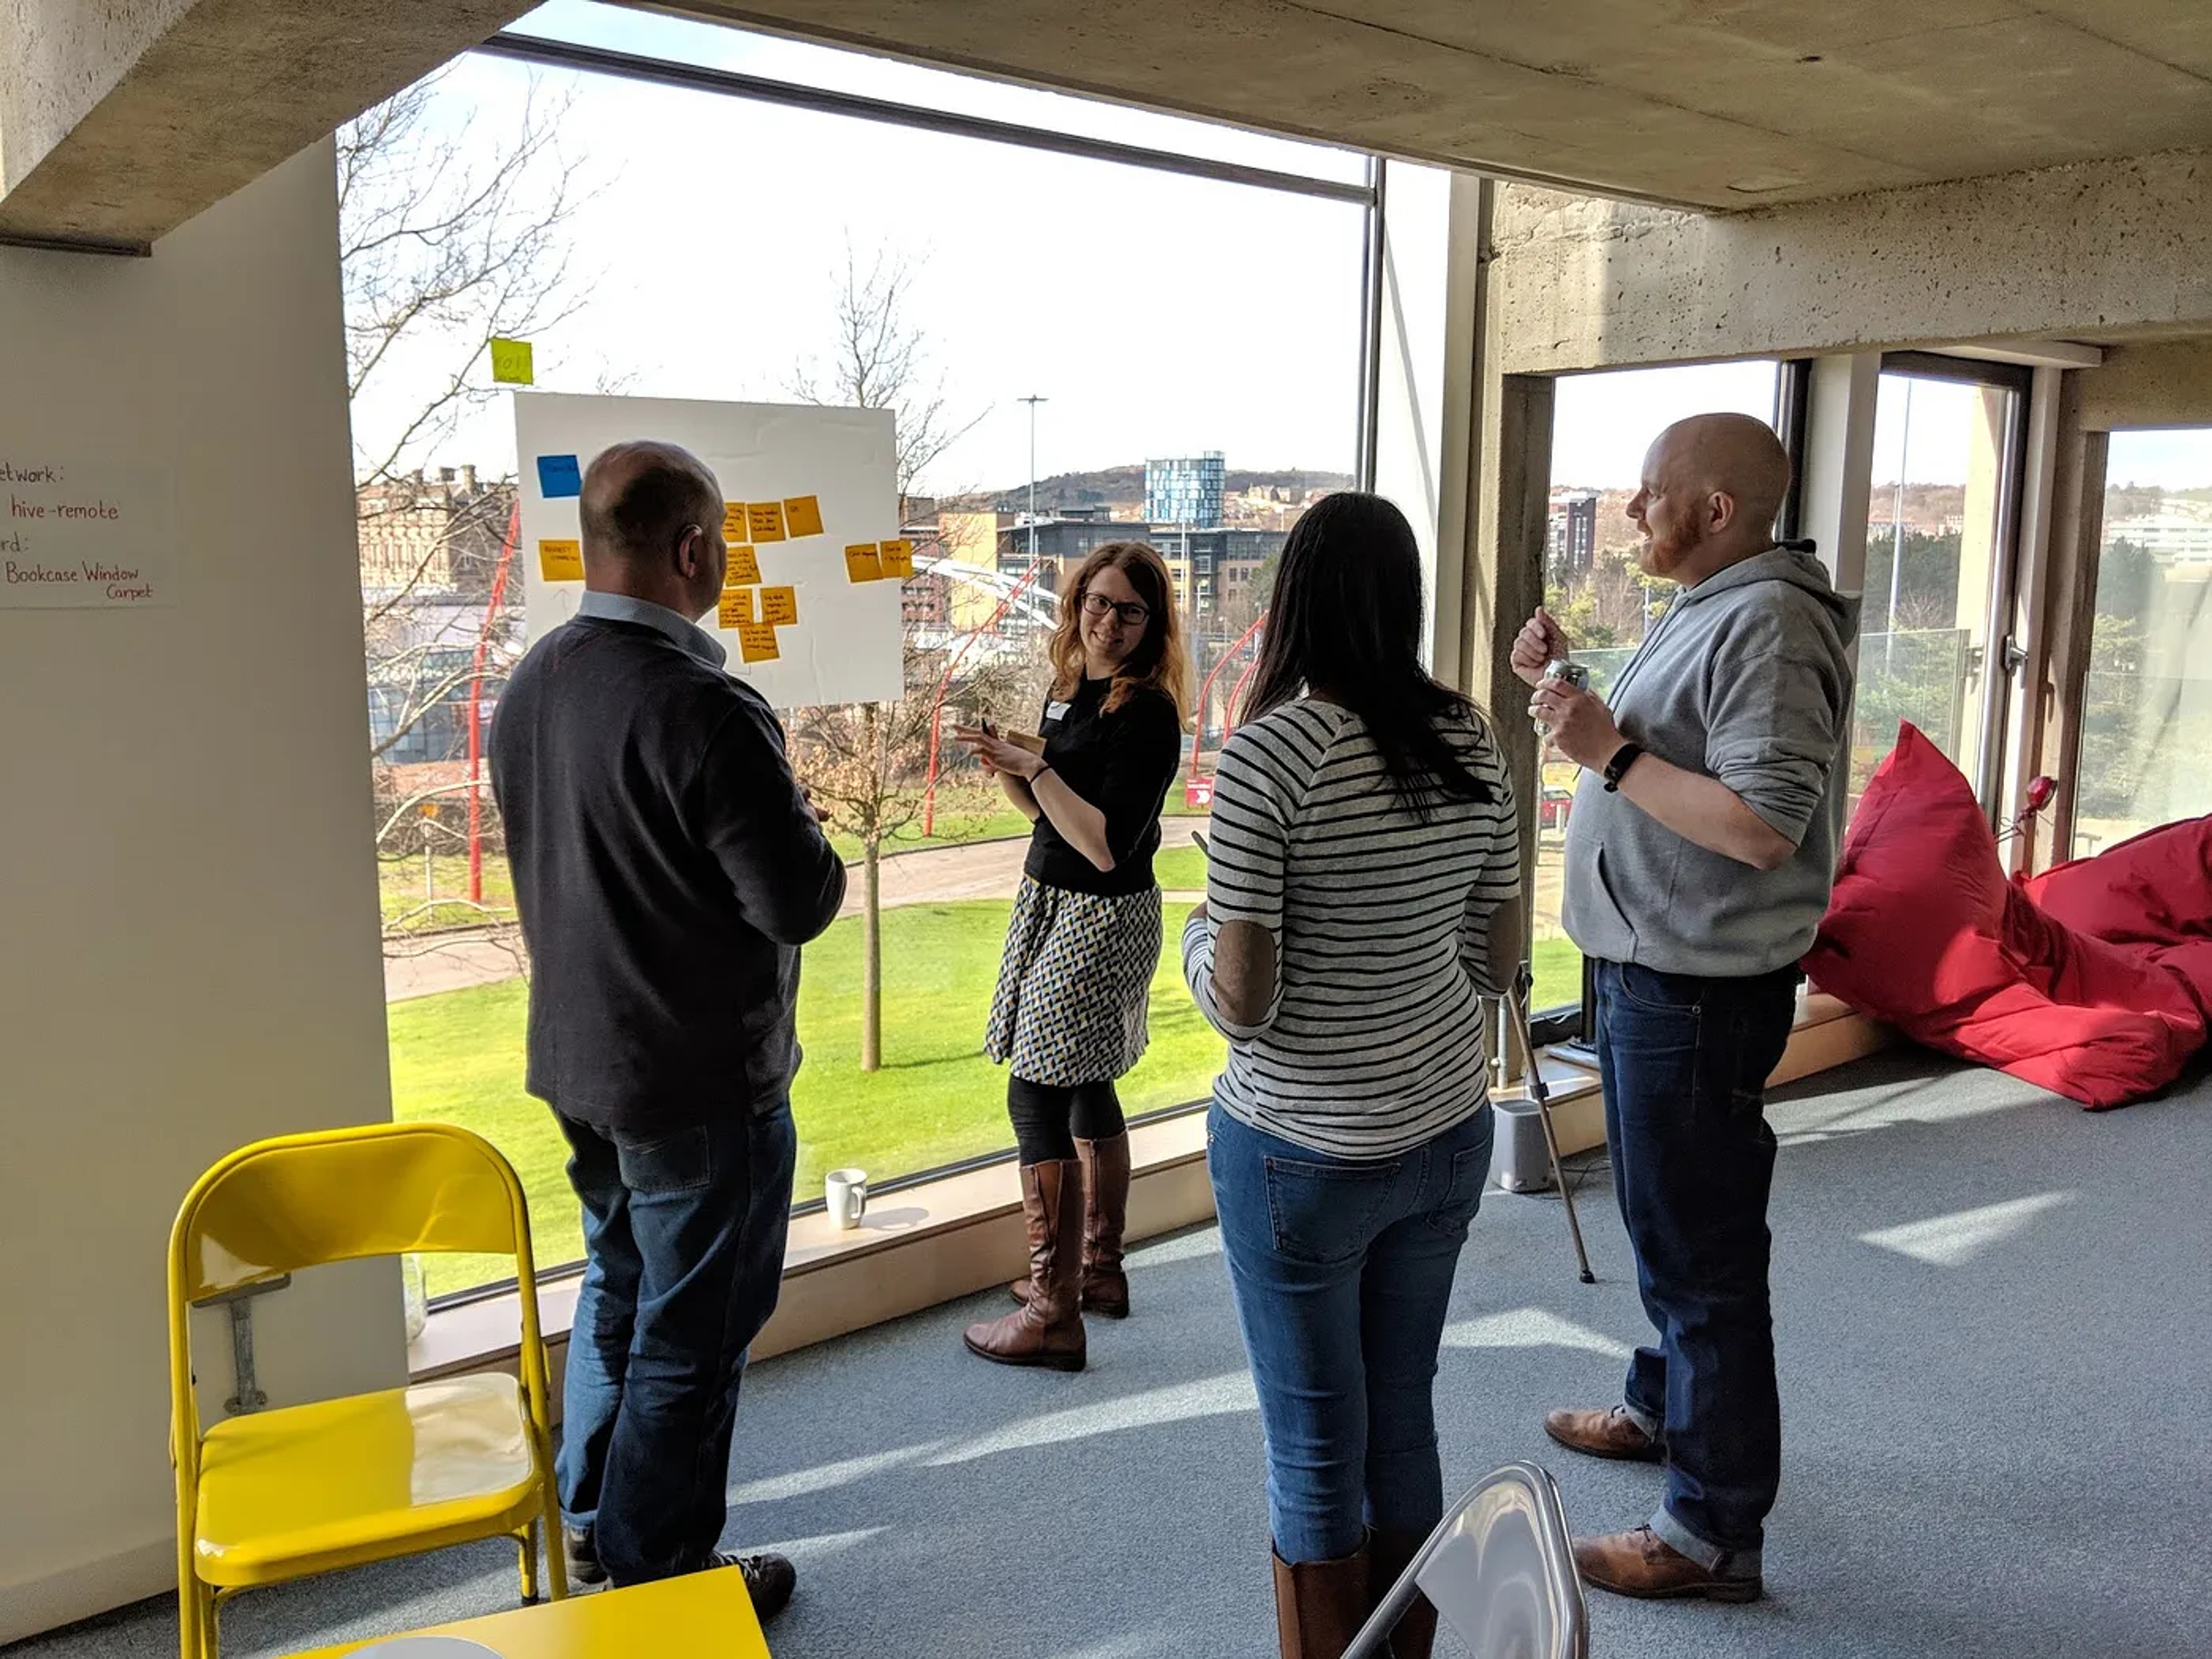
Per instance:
x=276, y=1495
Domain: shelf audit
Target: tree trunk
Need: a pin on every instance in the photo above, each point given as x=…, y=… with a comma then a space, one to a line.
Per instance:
x=872, y=955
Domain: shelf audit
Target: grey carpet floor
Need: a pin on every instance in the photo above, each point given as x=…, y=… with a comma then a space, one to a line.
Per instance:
x=1996, y=1370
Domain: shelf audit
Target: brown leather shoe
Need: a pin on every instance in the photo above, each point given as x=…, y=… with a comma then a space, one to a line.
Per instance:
x=1320, y=1605
x=1609, y=1433
x=1046, y=1329
x=1389, y=1553
x=1644, y=1565
x=1105, y=1220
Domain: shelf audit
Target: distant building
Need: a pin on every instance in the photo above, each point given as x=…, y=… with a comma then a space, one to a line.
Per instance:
x=1571, y=537
x=1211, y=568
x=2170, y=537
x=431, y=536
x=1189, y=490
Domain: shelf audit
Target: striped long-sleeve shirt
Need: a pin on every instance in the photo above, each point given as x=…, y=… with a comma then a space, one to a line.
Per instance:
x=1374, y=1043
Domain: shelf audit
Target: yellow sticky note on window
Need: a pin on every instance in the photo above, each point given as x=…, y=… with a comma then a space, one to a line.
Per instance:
x=802, y=514
x=510, y=362
x=743, y=568
x=757, y=642
x=898, y=559
x=779, y=605
x=737, y=610
x=767, y=518
x=561, y=562
x=863, y=564
x=733, y=521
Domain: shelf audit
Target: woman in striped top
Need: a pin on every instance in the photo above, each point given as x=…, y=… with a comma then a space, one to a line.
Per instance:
x=1361, y=900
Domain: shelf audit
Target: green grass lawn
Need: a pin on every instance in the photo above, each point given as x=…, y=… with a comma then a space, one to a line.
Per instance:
x=401, y=889
x=458, y=1057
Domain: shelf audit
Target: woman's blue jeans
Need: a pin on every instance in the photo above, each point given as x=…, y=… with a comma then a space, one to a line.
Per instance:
x=1342, y=1271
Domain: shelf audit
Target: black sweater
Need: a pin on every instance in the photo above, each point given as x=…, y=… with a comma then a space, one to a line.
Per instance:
x=1121, y=762
x=667, y=871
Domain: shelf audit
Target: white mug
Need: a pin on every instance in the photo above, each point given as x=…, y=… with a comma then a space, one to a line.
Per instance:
x=846, y=1192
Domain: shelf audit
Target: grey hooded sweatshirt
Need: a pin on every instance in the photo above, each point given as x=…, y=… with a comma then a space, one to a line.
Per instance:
x=1743, y=678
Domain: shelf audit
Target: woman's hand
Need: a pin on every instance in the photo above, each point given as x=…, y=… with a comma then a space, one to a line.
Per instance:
x=997, y=754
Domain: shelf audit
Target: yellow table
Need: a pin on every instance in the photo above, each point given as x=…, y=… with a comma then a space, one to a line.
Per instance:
x=702, y=1615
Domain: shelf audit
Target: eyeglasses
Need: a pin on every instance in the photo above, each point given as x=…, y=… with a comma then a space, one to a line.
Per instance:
x=1098, y=605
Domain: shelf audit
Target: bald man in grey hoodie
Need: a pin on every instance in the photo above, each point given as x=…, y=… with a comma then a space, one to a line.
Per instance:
x=1699, y=857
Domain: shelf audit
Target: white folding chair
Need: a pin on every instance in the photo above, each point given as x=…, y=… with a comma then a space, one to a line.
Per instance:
x=1500, y=1570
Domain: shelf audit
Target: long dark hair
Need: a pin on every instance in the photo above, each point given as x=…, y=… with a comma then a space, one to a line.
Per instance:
x=1345, y=619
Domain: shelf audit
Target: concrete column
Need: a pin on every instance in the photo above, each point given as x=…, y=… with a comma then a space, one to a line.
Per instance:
x=1427, y=379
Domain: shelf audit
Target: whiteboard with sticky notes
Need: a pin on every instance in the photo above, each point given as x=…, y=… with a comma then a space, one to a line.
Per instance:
x=802, y=486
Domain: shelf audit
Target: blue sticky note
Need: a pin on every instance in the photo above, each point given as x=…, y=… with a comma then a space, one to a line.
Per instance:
x=559, y=476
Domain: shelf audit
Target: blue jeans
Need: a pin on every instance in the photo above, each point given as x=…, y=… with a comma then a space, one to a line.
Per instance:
x=683, y=1236
x=1684, y=1063
x=1342, y=1271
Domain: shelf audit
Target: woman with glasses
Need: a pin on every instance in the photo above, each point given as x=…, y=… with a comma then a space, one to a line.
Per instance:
x=1360, y=900
x=1084, y=940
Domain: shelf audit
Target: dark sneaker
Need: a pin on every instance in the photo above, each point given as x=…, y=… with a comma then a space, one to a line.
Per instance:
x=769, y=1579
x=585, y=1571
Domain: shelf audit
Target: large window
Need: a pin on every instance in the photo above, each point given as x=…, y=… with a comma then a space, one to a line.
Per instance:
x=1601, y=426
x=1939, y=569
x=2146, y=755
x=1075, y=344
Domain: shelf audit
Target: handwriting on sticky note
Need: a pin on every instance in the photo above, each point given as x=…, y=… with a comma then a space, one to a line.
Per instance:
x=743, y=568
x=733, y=521
x=737, y=610
x=510, y=362
x=898, y=559
x=863, y=564
x=779, y=607
x=757, y=642
x=559, y=476
x=561, y=562
x=767, y=518
x=802, y=515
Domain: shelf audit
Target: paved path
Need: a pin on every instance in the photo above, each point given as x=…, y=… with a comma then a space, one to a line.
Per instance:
x=937, y=875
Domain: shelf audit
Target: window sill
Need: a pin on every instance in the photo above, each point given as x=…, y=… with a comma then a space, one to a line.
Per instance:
x=940, y=1240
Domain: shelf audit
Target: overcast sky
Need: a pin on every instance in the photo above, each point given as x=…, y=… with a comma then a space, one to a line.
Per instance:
x=1158, y=314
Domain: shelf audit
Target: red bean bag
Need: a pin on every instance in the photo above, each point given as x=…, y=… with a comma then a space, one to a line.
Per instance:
x=2152, y=894
x=1926, y=934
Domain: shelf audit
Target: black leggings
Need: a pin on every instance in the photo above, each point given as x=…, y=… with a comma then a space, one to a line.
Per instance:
x=1048, y=1119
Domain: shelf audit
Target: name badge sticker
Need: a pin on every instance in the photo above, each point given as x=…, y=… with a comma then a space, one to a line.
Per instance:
x=1055, y=711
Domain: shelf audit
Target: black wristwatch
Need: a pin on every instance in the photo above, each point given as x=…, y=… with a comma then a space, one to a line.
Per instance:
x=1617, y=768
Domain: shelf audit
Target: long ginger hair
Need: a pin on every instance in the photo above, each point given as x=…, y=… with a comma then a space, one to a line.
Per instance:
x=1159, y=662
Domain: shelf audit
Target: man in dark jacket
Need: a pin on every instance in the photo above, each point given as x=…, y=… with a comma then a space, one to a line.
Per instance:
x=667, y=867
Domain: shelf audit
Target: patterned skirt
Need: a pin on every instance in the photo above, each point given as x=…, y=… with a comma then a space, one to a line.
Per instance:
x=1074, y=983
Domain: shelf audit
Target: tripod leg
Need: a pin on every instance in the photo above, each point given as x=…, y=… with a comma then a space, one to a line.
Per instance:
x=1542, y=1096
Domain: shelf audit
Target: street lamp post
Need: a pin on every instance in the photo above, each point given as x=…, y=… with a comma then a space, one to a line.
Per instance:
x=1033, y=400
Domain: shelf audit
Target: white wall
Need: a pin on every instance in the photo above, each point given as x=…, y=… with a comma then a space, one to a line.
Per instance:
x=188, y=956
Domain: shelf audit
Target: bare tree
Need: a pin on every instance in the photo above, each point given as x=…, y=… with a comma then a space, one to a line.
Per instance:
x=865, y=765
x=445, y=242
x=866, y=762
x=880, y=360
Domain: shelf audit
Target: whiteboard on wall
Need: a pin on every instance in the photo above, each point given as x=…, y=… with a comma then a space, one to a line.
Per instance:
x=813, y=491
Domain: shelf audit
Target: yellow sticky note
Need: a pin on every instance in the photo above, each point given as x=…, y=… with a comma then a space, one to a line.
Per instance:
x=757, y=642
x=561, y=562
x=898, y=559
x=779, y=605
x=863, y=564
x=803, y=515
x=743, y=568
x=733, y=521
x=510, y=362
x=766, y=521
x=737, y=607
